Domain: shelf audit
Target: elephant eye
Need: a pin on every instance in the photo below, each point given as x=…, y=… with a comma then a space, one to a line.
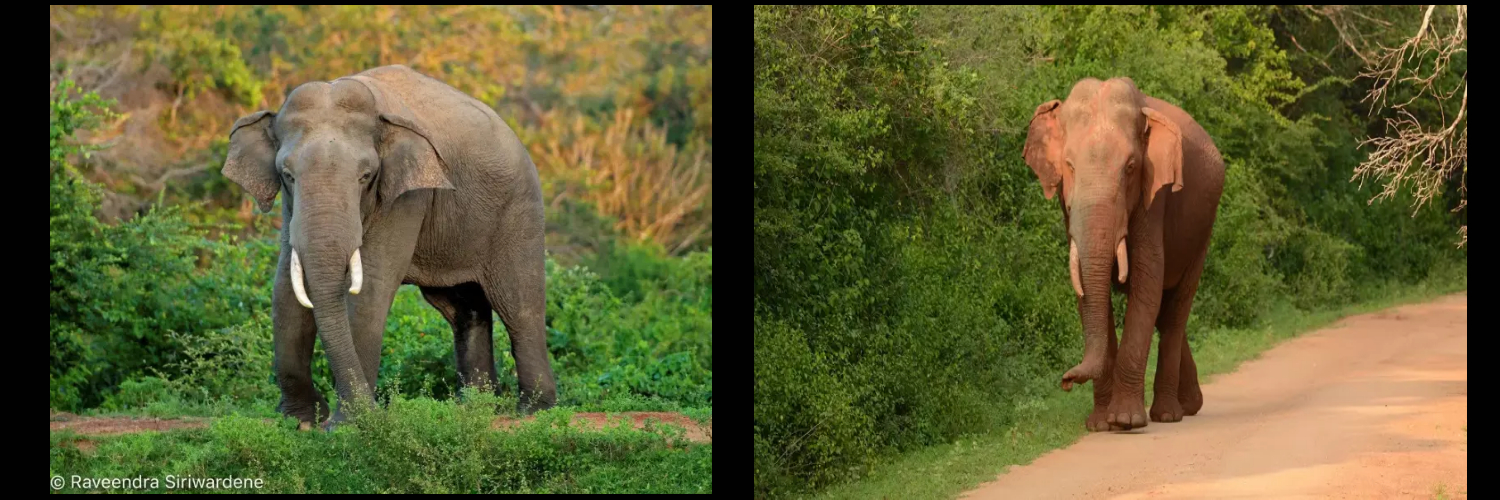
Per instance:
x=365, y=177
x=287, y=174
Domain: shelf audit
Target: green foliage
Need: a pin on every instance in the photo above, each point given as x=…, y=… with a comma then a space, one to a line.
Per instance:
x=910, y=281
x=657, y=346
x=620, y=96
x=71, y=114
x=118, y=290
x=199, y=59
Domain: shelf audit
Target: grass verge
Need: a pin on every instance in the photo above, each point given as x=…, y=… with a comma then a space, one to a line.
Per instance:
x=413, y=446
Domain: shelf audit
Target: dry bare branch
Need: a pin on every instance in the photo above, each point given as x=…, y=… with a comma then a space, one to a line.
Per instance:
x=1424, y=157
x=1346, y=29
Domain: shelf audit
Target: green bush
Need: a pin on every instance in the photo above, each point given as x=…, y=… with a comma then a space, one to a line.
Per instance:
x=118, y=290
x=416, y=446
x=805, y=417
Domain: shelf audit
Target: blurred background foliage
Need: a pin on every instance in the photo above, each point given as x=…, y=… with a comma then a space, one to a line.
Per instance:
x=910, y=278
x=614, y=103
x=161, y=269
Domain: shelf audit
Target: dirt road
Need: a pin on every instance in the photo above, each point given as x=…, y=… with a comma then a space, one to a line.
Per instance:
x=1375, y=406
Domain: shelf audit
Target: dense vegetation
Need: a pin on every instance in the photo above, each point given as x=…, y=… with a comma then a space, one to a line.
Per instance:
x=162, y=307
x=910, y=279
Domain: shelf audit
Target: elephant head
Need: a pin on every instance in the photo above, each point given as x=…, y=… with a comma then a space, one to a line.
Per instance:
x=1110, y=154
x=340, y=152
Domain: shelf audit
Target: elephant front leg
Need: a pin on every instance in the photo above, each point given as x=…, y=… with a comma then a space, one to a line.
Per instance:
x=367, y=316
x=293, y=332
x=1127, y=406
x=1098, y=420
x=386, y=255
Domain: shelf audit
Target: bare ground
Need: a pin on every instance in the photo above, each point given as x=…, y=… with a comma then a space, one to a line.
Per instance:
x=98, y=426
x=1375, y=406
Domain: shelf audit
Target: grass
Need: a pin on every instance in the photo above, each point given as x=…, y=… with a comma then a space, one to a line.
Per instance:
x=414, y=446
x=1055, y=421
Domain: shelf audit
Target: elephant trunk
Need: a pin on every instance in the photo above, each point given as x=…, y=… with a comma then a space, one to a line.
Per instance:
x=325, y=254
x=1093, y=262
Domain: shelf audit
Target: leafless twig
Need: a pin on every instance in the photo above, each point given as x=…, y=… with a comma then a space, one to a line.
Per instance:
x=1425, y=157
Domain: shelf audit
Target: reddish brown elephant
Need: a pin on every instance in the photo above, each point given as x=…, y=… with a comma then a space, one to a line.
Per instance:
x=1140, y=186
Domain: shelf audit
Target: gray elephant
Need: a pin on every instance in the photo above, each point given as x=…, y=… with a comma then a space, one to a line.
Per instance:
x=392, y=177
x=1140, y=183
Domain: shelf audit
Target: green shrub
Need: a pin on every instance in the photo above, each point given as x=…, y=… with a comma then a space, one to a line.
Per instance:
x=415, y=446
x=805, y=418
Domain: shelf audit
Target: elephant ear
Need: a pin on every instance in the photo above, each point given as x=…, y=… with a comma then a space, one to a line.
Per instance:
x=409, y=161
x=409, y=157
x=1163, y=155
x=1043, y=152
x=251, y=161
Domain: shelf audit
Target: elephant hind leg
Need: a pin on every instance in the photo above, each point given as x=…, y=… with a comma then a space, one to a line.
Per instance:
x=1177, y=392
x=1188, y=392
x=515, y=284
x=468, y=311
x=1165, y=406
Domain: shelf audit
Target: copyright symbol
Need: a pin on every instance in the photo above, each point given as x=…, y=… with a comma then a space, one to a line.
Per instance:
x=57, y=482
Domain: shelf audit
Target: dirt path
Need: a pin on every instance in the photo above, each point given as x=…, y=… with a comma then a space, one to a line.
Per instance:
x=1375, y=406
x=96, y=426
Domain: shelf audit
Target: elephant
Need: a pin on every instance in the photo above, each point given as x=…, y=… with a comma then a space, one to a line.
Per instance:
x=1141, y=182
x=390, y=177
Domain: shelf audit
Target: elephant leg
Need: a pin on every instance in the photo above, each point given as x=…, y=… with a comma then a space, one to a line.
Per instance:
x=1173, y=324
x=466, y=308
x=1127, y=405
x=386, y=255
x=293, y=332
x=367, y=315
x=1099, y=419
x=514, y=284
x=1165, y=406
x=1188, y=392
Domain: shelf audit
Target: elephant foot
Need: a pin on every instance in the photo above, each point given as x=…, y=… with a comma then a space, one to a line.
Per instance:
x=1191, y=402
x=307, y=414
x=337, y=420
x=1166, y=409
x=1098, y=421
x=1126, y=413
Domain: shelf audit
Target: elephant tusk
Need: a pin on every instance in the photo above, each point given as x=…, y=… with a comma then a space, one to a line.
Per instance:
x=356, y=272
x=1073, y=267
x=1124, y=262
x=297, y=281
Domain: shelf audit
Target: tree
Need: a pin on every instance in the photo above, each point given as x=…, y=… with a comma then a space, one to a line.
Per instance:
x=1426, y=145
